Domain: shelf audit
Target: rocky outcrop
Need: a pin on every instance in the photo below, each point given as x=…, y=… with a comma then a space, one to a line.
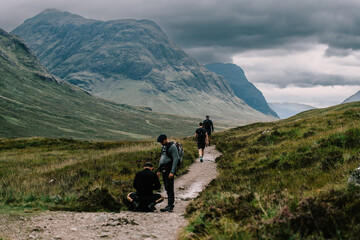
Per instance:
x=355, y=177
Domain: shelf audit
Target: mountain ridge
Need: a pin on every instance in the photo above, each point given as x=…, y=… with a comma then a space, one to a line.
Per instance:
x=132, y=62
x=353, y=98
x=288, y=109
x=35, y=103
x=241, y=86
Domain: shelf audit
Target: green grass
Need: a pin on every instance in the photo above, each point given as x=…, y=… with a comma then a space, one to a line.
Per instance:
x=67, y=174
x=284, y=180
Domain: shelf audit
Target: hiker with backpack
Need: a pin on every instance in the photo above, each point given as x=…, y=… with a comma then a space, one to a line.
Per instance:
x=145, y=182
x=171, y=157
x=208, y=125
x=202, y=139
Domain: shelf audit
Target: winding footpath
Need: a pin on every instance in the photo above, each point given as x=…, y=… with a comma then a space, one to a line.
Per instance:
x=123, y=225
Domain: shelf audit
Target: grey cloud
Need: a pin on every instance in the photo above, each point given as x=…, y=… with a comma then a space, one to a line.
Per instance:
x=308, y=79
x=337, y=52
x=233, y=26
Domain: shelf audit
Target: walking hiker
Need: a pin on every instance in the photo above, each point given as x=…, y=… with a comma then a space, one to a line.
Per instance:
x=208, y=125
x=145, y=182
x=202, y=139
x=167, y=166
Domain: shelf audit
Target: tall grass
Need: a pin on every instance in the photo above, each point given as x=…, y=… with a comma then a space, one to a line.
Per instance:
x=284, y=180
x=74, y=175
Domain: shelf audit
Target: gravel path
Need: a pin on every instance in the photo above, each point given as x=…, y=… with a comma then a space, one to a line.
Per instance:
x=123, y=225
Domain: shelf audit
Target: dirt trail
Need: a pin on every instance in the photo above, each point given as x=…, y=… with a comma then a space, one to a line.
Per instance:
x=123, y=225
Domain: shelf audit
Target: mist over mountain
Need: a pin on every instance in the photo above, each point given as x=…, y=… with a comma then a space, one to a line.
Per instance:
x=353, y=98
x=132, y=62
x=286, y=110
x=242, y=88
x=35, y=103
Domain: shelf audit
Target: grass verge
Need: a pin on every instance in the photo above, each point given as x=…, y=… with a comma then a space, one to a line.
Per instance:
x=284, y=180
x=74, y=175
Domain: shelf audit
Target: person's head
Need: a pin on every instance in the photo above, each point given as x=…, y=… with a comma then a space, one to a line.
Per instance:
x=162, y=138
x=148, y=165
x=200, y=124
x=207, y=117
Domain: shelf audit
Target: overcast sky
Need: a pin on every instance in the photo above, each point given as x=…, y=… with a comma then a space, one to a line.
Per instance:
x=304, y=51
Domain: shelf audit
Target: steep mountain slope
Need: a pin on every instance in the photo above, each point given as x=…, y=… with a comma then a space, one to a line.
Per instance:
x=133, y=62
x=285, y=110
x=353, y=98
x=244, y=89
x=34, y=103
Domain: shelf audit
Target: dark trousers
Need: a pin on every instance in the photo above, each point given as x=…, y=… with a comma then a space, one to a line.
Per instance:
x=144, y=201
x=169, y=187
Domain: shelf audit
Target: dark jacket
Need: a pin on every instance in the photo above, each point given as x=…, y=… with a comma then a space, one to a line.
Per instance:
x=145, y=182
x=208, y=124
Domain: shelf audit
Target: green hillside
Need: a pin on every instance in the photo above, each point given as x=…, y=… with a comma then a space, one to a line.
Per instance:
x=284, y=180
x=66, y=174
x=34, y=103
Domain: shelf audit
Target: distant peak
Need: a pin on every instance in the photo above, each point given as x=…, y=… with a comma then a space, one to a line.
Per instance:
x=50, y=10
x=54, y=11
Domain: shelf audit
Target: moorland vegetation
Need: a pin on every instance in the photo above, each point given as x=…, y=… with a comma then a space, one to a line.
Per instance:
x=284, y=180
x=74, y=175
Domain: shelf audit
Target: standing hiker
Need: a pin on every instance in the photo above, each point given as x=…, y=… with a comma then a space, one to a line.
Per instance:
x=167, y=166
x=208, y=125
x=145, y=182
x=202, y=139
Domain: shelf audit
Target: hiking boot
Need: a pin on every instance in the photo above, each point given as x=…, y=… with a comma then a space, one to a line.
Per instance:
x=168, y=208
x=201, y=159
x=151, y=206
x=135, y=205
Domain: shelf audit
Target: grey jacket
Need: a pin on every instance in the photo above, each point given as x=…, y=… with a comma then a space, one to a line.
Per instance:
x=165, y=159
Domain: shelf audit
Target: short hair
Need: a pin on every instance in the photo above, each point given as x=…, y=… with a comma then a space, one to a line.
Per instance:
x=207, y=116
x=161, y=138
x=148, y=164
x=200, y=123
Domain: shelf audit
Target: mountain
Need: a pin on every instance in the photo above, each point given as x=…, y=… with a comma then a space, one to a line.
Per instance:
x=133, y=62
x=244, y=89
x=286, y=110
x=35, y=103
x=353, y=98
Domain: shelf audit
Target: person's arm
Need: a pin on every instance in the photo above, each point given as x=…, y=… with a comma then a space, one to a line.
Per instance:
x=212, y=126
x=157, y=184
x=135, y=183
x=175, y=156
x=207, y=139
x=195, y=137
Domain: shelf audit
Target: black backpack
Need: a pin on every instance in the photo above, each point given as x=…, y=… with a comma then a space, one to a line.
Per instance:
x=207, y=124
x=201, y=135
x=180, y=152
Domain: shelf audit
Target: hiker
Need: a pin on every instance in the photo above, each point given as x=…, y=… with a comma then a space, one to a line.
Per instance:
x=202, y=139
x=145, y=182
x=167, y=166
x=208, y=125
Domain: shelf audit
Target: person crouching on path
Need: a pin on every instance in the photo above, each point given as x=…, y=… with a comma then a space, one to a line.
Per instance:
x=202, y=139
x=145, y=182
x=167, y=166
x=208, y=125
